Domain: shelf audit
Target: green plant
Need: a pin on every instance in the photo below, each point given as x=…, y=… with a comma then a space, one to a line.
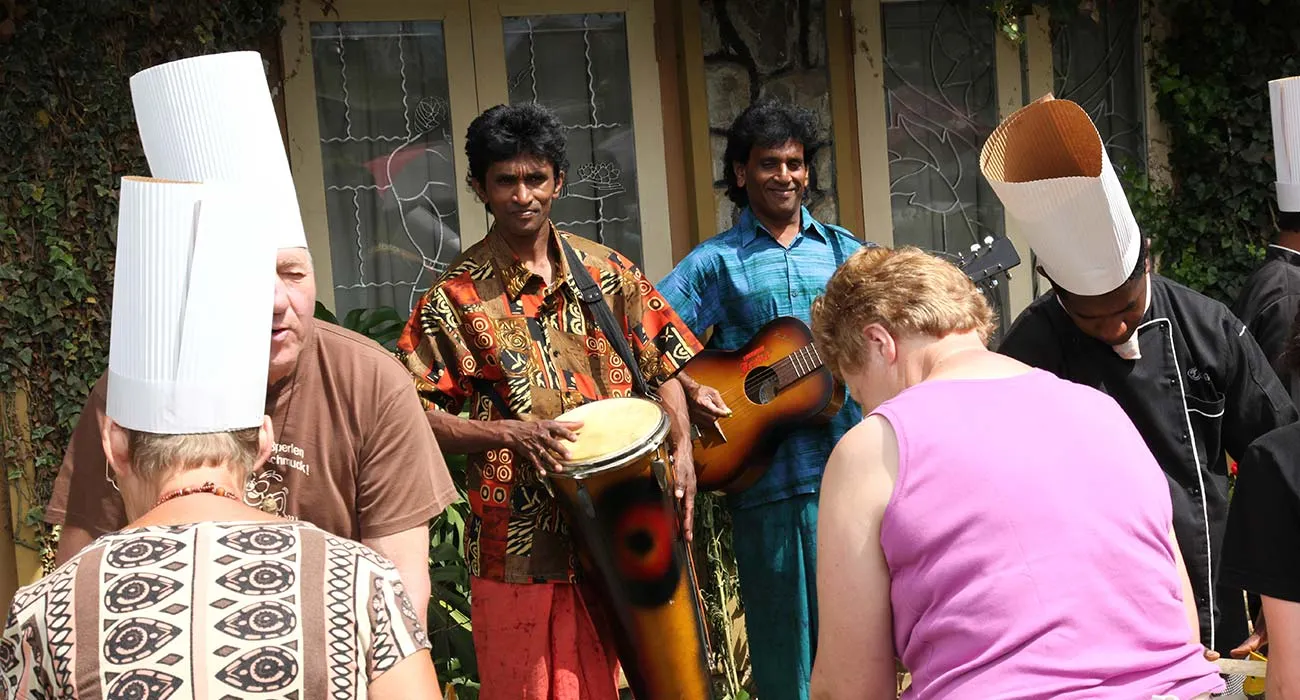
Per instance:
x=720, y=587
x=449, y=608
x=1210, y=79
x=68, y=135
x=382, y=325
x=1008, y=13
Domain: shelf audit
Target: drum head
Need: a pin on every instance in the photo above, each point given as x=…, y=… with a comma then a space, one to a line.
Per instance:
x=612, y=428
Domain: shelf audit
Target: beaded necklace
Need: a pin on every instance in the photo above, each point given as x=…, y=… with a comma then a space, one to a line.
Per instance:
x=207, y=487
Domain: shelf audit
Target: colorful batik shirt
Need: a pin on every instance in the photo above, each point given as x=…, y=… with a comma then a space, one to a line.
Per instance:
x=210, y=610
x=492, y=325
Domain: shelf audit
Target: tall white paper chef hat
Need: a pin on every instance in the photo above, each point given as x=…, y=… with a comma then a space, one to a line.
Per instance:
x=1284, y=97
x=193, y=288
x=210, y=119
x=1049, y=167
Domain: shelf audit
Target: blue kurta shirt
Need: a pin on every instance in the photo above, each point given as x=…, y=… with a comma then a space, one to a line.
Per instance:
x=738, y=281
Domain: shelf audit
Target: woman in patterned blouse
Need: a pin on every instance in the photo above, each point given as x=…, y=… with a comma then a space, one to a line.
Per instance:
x=203, y=596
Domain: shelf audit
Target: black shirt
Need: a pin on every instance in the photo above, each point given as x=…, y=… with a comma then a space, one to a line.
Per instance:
x=1263, y=536
x=1201, y=387
x=1268, y=306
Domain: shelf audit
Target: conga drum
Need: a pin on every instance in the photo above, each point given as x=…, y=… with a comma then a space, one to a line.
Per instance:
x=617, y=491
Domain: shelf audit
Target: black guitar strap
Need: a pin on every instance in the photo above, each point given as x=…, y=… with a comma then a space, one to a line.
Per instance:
x=594, y=301
x=486, y=388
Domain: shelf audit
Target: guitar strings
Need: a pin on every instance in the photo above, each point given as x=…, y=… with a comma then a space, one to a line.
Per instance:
x=762, y=375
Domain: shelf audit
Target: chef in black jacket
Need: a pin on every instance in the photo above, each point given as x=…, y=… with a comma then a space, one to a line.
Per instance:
x=1271, y=298
x=1181, y=365
x=1263, y=538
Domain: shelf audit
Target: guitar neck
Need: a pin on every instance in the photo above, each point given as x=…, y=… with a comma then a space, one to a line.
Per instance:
x=797, y=365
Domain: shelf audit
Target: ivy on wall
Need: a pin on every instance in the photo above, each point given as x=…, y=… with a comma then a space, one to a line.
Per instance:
x=1211, y=219
x=1210, y=77
x=68, y=135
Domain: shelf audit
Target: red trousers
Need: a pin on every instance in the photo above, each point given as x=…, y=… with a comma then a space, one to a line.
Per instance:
x=538, y=642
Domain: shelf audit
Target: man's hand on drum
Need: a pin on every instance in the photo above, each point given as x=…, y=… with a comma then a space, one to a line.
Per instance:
x=542, y=440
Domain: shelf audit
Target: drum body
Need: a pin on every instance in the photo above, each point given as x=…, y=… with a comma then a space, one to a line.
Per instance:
x=617, y=491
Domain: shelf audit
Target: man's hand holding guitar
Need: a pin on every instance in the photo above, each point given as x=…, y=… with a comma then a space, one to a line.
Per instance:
x=705, y=402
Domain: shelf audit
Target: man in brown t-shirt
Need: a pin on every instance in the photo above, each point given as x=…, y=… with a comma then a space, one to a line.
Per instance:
x=353, y=453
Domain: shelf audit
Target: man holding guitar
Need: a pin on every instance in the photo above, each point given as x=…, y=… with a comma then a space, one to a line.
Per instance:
x=771, y=264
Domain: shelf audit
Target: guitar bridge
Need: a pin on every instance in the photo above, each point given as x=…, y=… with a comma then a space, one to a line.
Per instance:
x=712, y=436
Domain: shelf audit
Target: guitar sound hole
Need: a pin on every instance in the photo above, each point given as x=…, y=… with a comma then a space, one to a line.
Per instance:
x=761, y=385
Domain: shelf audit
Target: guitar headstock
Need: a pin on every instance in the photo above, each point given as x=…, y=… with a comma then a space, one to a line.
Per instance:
x=987, y=261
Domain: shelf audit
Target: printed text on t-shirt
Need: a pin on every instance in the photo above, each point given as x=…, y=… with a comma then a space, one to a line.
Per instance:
x=291, y=456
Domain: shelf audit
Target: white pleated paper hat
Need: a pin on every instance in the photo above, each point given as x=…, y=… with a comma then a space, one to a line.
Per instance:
x=211, y=119
x=1049, y=167
x=1284, y=97
x=193, y=288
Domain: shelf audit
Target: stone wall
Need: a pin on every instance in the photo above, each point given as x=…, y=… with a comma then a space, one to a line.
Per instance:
x=767, y=48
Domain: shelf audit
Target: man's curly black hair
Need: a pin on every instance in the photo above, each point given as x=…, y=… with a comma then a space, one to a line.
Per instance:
x=1288, y=221
x=764, y=124
x=506, y=131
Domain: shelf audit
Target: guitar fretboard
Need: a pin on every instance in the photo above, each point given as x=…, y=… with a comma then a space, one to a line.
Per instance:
x=797, y=365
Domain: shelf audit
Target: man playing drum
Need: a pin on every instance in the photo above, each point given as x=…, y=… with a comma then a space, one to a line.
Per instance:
x=504, y=332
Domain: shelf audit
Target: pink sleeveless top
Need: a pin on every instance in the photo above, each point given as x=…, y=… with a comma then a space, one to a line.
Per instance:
x=1027, y=542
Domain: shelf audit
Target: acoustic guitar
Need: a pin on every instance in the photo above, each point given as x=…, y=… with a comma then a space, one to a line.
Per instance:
x=776, y=383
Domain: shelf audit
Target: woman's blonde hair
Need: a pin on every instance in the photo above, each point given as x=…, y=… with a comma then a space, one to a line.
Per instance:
x=155, y=457
x=907, y=291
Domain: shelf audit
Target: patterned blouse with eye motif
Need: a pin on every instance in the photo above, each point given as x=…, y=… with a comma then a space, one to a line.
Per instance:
x=210, y=610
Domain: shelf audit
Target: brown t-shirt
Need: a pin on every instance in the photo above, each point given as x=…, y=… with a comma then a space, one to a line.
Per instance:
x=353, y=452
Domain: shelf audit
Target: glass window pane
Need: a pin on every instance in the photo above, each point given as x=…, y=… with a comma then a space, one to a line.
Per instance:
x=941, y=97
x=1097, y=64
x=577, y=65
x=389, y=167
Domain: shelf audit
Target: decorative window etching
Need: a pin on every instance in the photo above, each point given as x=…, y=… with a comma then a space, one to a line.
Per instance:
x=390, y=183
x=768, y=48
x=1096, y=62
x=577, y=65
x=941, y=97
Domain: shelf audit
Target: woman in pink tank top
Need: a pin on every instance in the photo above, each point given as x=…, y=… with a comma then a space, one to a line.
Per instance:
x=1002, y=532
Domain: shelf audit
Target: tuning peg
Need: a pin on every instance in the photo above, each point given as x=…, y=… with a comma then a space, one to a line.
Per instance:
x=994, y=283
x=975, y=248
x=988, y=240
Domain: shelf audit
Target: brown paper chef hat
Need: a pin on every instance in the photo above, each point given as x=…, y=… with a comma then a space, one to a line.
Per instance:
x=1049, y=167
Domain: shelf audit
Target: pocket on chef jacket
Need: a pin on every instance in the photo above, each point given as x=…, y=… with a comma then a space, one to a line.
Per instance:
x=1203, y=408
